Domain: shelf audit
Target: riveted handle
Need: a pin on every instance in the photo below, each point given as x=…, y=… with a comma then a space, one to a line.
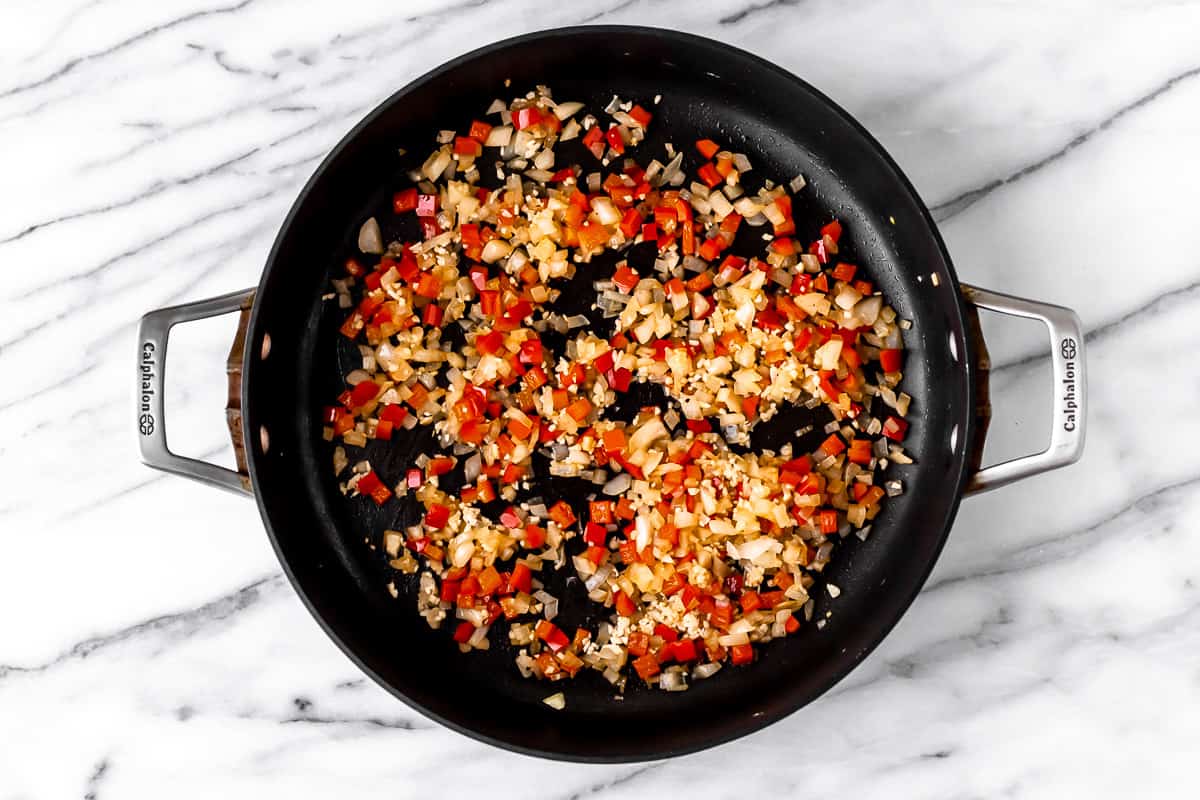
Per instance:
x=1069, y=412
x=153, y=333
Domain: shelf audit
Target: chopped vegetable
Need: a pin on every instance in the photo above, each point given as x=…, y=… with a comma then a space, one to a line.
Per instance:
x=698, y=553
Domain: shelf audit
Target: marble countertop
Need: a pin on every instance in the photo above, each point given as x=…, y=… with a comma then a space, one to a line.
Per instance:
x=149, y=646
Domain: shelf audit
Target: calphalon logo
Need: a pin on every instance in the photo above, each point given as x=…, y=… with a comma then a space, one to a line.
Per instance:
x=146, y=368
x=1069, y=349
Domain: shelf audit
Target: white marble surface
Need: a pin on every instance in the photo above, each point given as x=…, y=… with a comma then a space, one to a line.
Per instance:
x=149, y=646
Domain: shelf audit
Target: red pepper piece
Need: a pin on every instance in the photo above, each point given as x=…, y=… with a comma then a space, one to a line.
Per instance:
x=891, y=360
x=404, y=201
x=895, y=428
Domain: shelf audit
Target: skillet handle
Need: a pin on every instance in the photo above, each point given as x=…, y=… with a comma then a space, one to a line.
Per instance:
x=151, y=372
x=1069, y=413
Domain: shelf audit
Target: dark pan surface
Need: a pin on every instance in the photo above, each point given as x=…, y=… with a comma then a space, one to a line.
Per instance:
x=708, y=89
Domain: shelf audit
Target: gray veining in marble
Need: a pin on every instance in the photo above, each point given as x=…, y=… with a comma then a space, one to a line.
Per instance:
x=149, y=646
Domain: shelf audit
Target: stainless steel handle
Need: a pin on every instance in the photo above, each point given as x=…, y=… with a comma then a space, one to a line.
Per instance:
x=152, y=369
x=1070, y=392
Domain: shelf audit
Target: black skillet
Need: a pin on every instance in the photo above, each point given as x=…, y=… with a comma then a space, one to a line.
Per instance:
x=287, y=364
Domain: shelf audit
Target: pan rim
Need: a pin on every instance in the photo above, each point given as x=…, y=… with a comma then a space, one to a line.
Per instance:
x=735, y=729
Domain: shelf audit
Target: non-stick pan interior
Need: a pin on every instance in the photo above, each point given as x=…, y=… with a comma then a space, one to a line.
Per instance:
x=325, y=540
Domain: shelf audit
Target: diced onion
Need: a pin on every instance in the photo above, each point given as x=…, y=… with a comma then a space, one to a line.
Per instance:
x=564, y=110
x=499, y=136
x=370, y=238
x=619, y=484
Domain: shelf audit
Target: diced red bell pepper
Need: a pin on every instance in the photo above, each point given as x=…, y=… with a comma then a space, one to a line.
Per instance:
x=437, y=516
x=639, y=644
x=895, y=428
x=665, y=633
x=479, y=130
x=593, y=136
x=741, y=653
x=817, y=249
x=700, y=282
x=640, y=115
x=801, y=284
x=466, y=146
x=833, y=445
x=750, y=407
x=372, y=486
x=860, y=451
x=363, y=393
x=631, y=223
x=432, y=316
x=722, y=614
x=535, y=537
x=509, y=518
x=353, y=324
x=535, y=378
x=647, y=667
x=827, y=386
x=427, y=205
x=405, y=201
x=844, y=272
x=708, y=173
x=749, y=601
x=604, y=362
x=873, y=496
x=512, y=473
x=551, y=634
x=684, y=651
x=625, y=605
x=833, y=230
x=891, y=360
x=710, y=249
x=440, y=466
x=601, y=511
x=430, y=227
x=827, y=519
x=531, y=351
x=622, y=378
x=595, y=534
x=521, y=579
x=562, y=513
x=526, y=117
x=592, y=236
x=625, y=279
x=428, y=286
x=463, y=632
x=707, y=147
x=613, y=135
x=489, y=343
x=489, y=581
